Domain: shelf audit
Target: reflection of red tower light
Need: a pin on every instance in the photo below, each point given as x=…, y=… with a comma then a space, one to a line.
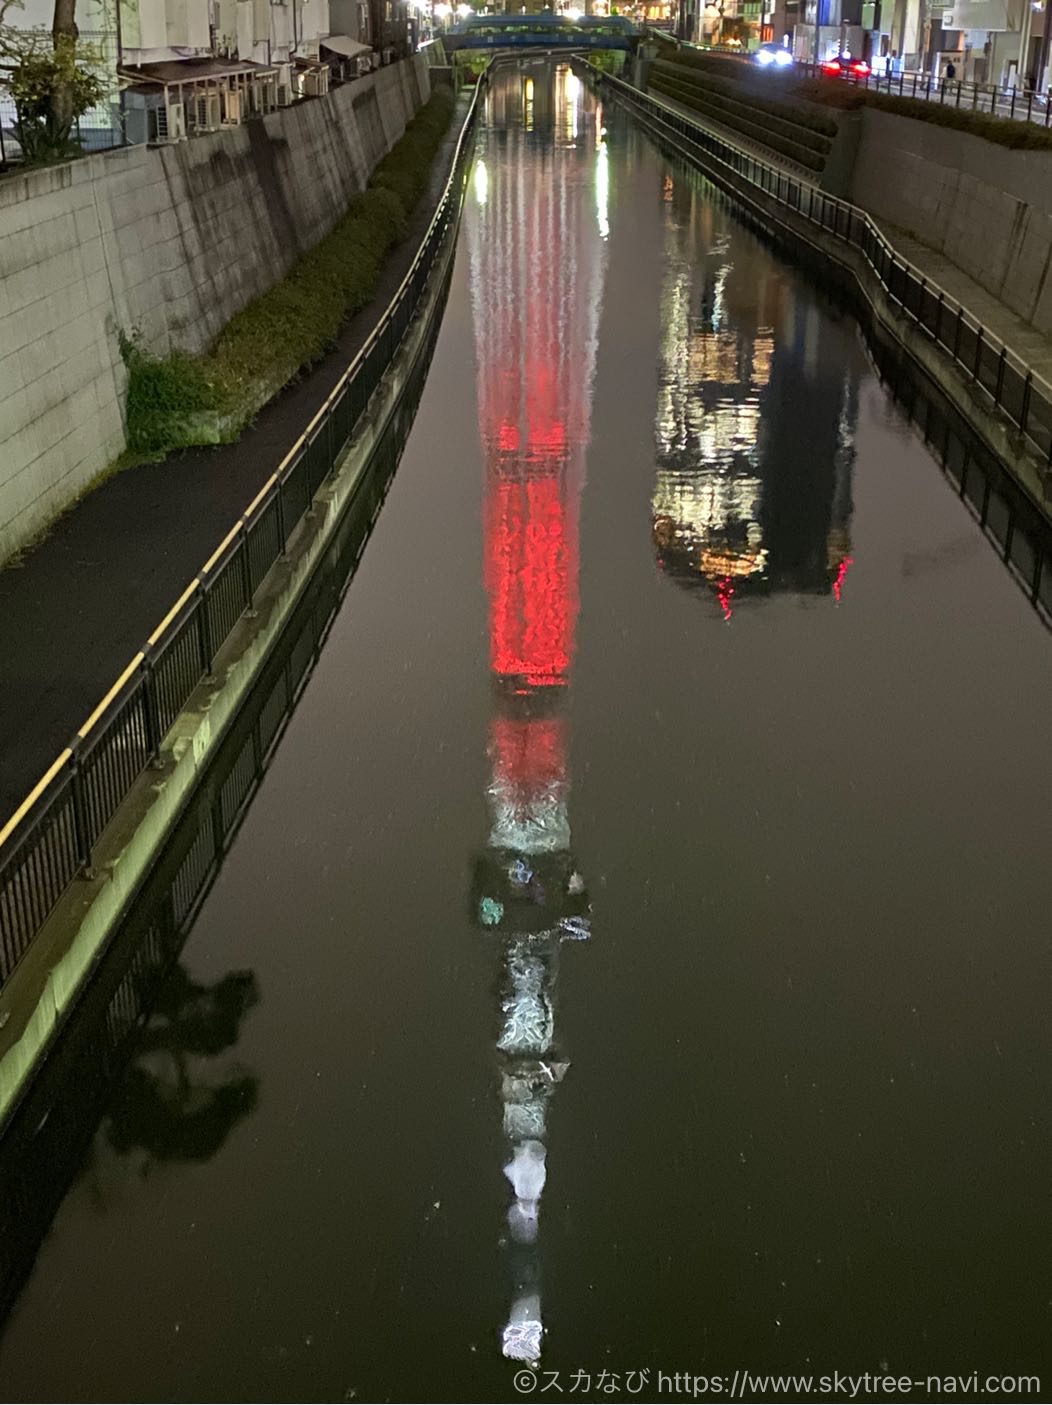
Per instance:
x=724, y=594
x=841, y=573
x=531, y=575
x=528, y=755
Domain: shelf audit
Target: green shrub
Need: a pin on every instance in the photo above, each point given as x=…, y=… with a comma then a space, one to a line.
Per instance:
x=292, y=324
x=160, y=390
x=1020, y=136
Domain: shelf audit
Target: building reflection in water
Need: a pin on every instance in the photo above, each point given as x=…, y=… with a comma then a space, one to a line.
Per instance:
x=755, y=422
x=537, y=230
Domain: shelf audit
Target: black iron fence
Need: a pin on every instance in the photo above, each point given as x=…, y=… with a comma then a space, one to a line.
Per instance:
x=51, y=838
x=1007, y=384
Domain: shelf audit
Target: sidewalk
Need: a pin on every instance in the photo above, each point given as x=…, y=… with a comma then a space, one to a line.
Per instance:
x=76, y=609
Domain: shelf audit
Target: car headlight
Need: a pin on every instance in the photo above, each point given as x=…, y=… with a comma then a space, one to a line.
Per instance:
x=783, y=58
x=764, y=56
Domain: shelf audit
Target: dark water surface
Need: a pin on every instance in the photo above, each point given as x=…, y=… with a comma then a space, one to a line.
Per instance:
x=636, y=955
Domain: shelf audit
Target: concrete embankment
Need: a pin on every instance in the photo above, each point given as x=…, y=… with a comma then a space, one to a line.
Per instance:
x=986, y=208
x=169, y=243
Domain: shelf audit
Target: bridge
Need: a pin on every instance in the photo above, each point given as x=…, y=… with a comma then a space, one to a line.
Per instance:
x=544, y=31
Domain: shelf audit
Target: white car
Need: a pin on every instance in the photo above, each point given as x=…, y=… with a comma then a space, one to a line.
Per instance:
x=773, y=56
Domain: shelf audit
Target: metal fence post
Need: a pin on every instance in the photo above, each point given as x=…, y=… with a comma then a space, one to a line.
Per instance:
x=1024, y=409
x=204, y=628
x=246, y=570
x=1000, y=377
x=283, y=534
x=151, y=710
x=978, y=354
x=957, y=335
x=81, y=829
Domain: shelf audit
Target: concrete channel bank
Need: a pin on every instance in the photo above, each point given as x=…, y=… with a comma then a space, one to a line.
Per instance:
x=45, y=984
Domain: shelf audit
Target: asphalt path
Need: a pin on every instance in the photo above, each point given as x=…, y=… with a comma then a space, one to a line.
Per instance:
x=77, y=607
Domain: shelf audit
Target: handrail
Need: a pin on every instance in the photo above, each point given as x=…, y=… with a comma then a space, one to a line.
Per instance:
x=1020, y=393
x=50, y=838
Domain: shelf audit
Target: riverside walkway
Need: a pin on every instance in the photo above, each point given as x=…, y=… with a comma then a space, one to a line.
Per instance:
x=78, y=605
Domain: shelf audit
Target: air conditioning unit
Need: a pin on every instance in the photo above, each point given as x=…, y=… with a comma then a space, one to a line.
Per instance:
x=231, y=109
x=284, y=84
x=176, y=123
x=207, y=113
x=316, y=82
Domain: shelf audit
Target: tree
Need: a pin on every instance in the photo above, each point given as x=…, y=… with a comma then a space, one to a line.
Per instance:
x=52, y=78
x=165, y=1103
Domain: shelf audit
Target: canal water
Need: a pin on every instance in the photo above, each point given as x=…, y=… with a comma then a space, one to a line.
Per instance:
x=635, y=956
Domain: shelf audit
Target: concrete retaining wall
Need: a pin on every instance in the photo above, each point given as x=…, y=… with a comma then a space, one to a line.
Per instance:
x=985, y=207
x=168, y=242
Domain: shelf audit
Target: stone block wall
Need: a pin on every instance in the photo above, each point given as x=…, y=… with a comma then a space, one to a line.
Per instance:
x=168, y=243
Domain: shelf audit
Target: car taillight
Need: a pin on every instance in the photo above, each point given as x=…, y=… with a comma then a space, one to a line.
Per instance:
x=860, y=68
x=832, y=67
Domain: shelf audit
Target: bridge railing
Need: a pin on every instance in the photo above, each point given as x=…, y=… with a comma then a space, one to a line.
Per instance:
x=51, y=838
x=1002, y=379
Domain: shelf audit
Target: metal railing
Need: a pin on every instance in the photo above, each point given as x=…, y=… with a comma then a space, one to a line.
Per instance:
x=51, y=838
x=1003, y=379
x=1015, y=104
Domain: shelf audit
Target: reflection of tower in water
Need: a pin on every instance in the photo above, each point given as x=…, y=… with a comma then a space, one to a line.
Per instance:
x=755, y=421
x=536, y=243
